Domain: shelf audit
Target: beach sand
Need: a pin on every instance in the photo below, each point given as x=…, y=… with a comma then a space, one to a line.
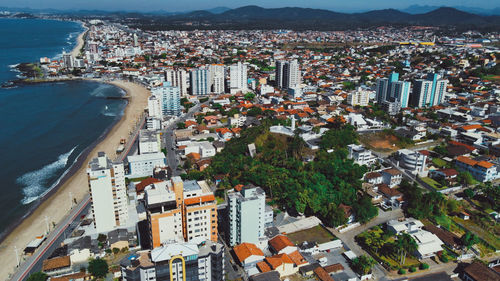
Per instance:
x=76, y=50
x=57, y=206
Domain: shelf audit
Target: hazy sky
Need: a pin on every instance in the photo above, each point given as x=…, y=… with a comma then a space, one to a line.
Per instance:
x=188, y=5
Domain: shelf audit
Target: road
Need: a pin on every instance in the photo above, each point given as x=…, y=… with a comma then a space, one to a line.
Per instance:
x=58, y=234
x=33, y=263
x=348, y=237
x=169, y=140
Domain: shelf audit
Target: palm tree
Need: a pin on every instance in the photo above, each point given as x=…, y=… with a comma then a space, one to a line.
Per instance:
x=406, y=244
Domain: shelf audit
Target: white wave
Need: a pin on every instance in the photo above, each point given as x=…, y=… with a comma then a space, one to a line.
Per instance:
x=34, y=182
x=99, y=91
x=14, y=65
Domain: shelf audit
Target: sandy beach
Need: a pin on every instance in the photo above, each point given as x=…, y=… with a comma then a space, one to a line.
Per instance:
x=56, y=207
x=76, y=50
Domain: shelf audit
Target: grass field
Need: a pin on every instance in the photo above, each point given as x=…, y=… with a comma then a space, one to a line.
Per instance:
x=439, y=162
x=434, y=184
x=487, y=236
x=317, y=233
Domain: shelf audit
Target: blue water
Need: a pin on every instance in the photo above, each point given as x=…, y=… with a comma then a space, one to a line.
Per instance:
x=44, y=127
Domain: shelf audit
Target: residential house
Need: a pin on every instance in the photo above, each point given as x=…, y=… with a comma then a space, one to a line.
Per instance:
x=392, y=177
x=281, y=244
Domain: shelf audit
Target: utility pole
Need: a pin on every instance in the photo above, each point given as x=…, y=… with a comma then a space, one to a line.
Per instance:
x=17, y=256
x=47, y=224
x=70, y=200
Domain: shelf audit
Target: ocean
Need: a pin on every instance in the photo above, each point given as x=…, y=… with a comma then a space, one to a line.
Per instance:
x=44, y=128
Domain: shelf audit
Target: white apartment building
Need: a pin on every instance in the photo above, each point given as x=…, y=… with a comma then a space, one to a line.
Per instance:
x=108, y=193
x=238, y=78
x=217, y=77
x=413, y=161
x=154, y=107
x=359, y=97
x=149, y=142
x=178, y=78
x=204, y=148
x=199, y=79
x=361, y=155
x=247, y=215
x=143, y=165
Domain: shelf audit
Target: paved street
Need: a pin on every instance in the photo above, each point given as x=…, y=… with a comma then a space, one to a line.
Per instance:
x=348, y=237
x=55, y=237
x=169, y=139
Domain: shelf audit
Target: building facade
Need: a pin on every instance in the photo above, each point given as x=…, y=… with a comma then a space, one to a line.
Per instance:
x=180, y=211
x=178, y=78
x=192, y=261
x=170, y=99
x=238, y=78
x=108, y=193
x=288, y=74
x=246, y=211
x=199, y=79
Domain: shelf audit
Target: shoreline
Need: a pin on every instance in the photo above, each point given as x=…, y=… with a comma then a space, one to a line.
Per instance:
x=75, y=180
x=80, y=42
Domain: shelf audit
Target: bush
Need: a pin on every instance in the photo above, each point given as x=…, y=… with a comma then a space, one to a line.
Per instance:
x=413, y=269
x=424, y=266
x=401, y=271
x=444, y=258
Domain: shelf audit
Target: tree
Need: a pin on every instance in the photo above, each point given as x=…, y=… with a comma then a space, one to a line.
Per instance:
x=466, y=178
x=365, y=210
x=116, y=251
x=469, y=192
x=469, y=239
x=38, y=276
x=181, y=125
x=363, y=264
x=98, y=267
x=405, y=244
x=254, y=111
x=249, y=96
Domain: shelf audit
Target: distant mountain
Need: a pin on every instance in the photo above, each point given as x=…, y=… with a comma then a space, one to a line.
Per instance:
x=305, y=18
x=422, y=9
x=218, y=10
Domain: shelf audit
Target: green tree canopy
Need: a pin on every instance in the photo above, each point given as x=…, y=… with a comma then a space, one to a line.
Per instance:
x=38, y=276
x=98, y=267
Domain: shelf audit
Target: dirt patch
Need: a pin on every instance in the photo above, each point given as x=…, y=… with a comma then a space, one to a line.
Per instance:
x=380, y=141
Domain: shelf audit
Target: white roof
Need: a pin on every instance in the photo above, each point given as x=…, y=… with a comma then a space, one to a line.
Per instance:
x=146, y=157
x=166, y=252
x=427, y=242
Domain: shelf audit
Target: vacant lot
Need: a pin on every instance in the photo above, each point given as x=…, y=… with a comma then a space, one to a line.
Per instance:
x=380, y=141
x=317, y=233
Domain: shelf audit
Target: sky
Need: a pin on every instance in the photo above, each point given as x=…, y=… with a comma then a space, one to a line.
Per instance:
x=189, y=5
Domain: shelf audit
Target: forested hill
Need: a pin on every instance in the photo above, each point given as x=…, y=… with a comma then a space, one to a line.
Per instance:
x=312, y=188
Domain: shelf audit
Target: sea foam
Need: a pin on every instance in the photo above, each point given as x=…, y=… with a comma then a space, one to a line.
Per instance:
x=35, y=182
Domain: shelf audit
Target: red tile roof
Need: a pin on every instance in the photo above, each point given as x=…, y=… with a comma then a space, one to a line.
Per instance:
x=280, y=242
x=246, y=250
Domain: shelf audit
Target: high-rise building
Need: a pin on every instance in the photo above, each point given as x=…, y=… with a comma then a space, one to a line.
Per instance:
x=178, y=78
x=238, y=78
x=247, y=215
x=428, y=92
x=108, y=193
x=136, y=40
x=68, y=60
x=170, y=99
x=155, y=106
x=180, y=211
x=217, y=77
x=199, y=82
x=194, y=260
x=400, y=93
x=384, y=87
x=288, y=74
